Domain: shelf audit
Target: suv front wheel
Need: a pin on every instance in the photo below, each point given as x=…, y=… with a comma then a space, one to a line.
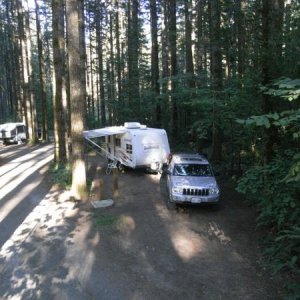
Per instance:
x=170, y=204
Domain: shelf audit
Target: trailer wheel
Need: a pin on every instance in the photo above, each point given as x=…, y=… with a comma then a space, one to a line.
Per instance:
x=121, y=167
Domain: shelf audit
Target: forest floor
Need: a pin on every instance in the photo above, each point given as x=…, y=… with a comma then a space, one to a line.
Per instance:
x=136, y=249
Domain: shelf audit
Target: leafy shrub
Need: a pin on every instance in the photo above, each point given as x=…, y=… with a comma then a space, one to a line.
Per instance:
x=275, y=192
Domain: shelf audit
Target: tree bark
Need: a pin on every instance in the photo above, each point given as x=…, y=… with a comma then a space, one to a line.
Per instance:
x=22, y=63
x=58, y=41
x=173, y=65
x=45, y=135
x=30, y=103
x=99, y=38
x=112, y=73
x=189, y=64
x=77, y=92
x=239, y=17
x=216, y=76
x=133, y=59
x=118, y=62
x=154, y=59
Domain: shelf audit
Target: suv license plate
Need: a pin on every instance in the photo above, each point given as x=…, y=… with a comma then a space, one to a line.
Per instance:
x=199, y=199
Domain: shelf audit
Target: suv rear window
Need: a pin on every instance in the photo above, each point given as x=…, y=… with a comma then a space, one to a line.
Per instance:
x=203, y=170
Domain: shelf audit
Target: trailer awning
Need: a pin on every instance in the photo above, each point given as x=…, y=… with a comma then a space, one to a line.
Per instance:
x=9, y=126
x=90, y=134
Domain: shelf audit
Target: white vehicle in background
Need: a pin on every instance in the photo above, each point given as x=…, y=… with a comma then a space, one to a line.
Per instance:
x=133, y=145
x=12, y=133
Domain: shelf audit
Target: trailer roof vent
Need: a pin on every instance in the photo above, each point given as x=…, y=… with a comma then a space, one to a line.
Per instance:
x=132, y=125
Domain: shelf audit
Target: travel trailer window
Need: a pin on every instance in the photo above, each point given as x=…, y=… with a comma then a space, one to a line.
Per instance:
x=118, y=142
x=129, y=148
x=20, y=129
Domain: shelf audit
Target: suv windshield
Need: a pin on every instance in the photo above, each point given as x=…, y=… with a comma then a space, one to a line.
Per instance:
x=192, y=170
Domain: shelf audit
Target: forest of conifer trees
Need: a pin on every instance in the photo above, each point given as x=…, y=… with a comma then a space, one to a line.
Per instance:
x=221, y=76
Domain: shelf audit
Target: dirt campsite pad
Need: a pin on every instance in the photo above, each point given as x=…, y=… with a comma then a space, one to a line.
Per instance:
x=196, y=252
x=135, y=249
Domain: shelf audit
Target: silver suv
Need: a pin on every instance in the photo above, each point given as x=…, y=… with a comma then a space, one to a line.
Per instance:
x=190, y=179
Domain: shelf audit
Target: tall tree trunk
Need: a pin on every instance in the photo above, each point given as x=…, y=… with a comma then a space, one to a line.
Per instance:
x=112, y=72
x=41, y=60
x=23, y=66
x=12, y=63
x=58, y=40
x=31, y=103
x=118, y=62
x=90, y=70
x=154, y=59
x=202, y=46
x=173, y=66
x=77, y=93
x=83, y=55
x=165, y=65
x=133, y=59
x=189, y=64
x=216, y=76
x=99, y=38
x=239, y=17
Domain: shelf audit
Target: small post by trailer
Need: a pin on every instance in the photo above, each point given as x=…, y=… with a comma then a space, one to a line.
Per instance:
x=115, y=183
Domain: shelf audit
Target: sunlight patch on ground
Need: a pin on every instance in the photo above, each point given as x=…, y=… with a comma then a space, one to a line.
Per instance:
x=18, y=165
x=10, y=205
x=187, y=243
x=19, y=174
x=126, y=225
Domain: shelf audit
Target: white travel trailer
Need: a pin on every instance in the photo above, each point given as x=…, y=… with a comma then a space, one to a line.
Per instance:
x=12, y=133
x=133, y=145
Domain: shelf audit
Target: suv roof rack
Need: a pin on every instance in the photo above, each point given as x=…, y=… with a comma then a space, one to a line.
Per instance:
x=195, y=157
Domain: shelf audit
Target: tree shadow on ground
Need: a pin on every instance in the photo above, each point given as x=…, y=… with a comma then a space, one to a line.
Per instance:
x=148, y=253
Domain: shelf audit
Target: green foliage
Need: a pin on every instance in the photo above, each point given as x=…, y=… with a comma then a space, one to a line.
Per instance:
x=294, y=171
x=277, y=201
x=276, y=195
x=283, y=253
x=285, y=88
x=62, y=175
x=284, y=118
x=274, y=188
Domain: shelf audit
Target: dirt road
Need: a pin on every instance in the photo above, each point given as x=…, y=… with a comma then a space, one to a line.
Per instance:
x=137, y=249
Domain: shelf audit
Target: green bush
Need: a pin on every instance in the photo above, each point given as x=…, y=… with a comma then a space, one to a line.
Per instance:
x=276, y=197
